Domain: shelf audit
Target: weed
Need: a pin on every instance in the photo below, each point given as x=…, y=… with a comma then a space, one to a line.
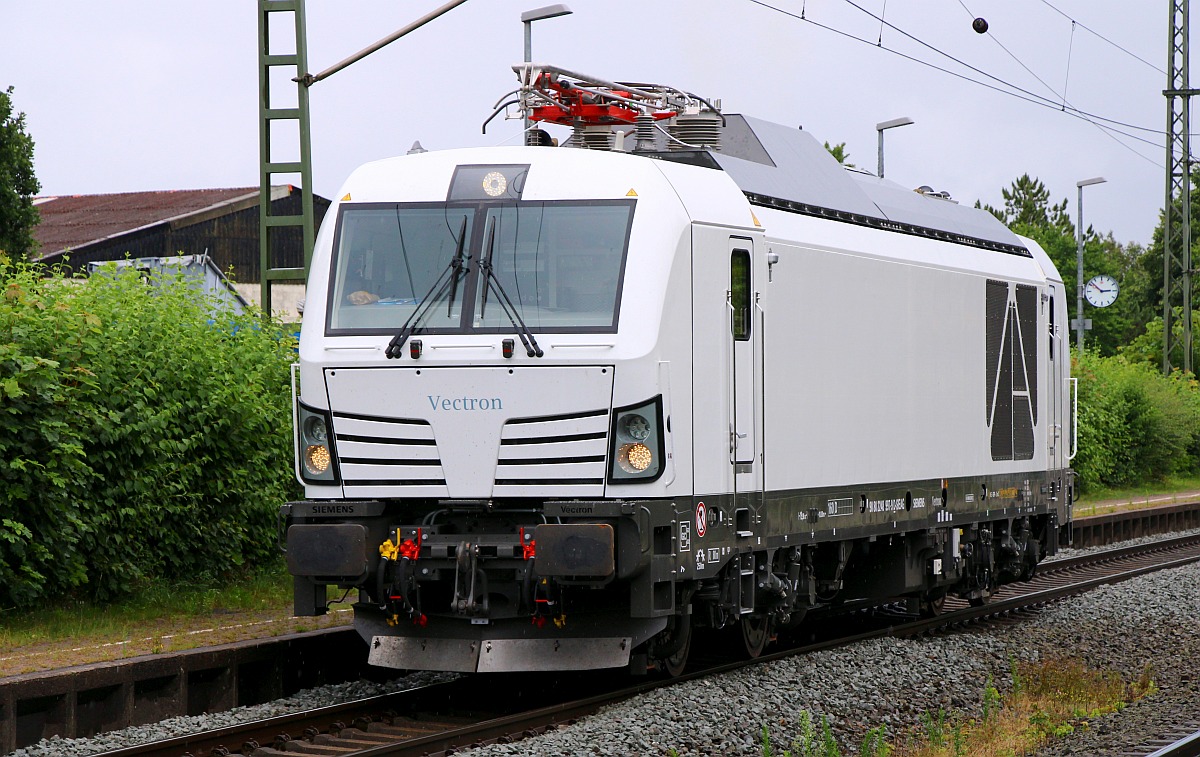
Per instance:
x=829, y=747
x=1017, y=683
x=934, y=730
x=991, y=700
x=958, y=738
x=805, y=743
x=874, y=743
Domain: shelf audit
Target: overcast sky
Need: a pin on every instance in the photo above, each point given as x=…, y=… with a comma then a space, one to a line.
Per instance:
x=145, y=95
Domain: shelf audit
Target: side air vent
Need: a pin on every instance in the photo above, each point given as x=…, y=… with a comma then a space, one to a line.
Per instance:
x=559, y=451
x=1011, y=403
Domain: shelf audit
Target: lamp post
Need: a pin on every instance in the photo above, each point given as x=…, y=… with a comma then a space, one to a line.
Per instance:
x=881, y=127
x=1079, y=323
x=527, y=18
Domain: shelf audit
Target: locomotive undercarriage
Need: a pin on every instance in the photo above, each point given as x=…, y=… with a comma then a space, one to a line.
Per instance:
x=476, y=586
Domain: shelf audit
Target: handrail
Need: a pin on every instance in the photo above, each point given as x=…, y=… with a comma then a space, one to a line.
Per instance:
x=1074, y=418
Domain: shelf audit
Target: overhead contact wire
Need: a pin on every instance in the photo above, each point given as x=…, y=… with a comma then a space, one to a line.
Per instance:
x=1019, y=93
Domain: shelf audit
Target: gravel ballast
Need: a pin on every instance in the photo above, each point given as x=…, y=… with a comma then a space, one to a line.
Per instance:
x=1152, y=620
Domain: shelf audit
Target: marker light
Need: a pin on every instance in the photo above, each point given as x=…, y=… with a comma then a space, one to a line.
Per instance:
x=316, y=459
x=634, y=458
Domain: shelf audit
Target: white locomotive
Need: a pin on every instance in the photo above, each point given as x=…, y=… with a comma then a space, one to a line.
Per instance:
x=557, y=407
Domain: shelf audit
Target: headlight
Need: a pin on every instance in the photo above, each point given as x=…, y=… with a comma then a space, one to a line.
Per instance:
x=316, y=450
x=635, y=427
x=636, y=448
x=314, y=429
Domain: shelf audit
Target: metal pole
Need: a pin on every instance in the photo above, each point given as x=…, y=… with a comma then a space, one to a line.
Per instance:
x=879, y=173
x=525, y=122
x=1079, y=276
x=1079, y=263
x=880, y=128
x=309, y=79
x=1177, y=225
x=527, y=19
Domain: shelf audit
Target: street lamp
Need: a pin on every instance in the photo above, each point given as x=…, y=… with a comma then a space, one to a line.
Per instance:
x=527, y=18
x=905, y=121
x=1079, y=322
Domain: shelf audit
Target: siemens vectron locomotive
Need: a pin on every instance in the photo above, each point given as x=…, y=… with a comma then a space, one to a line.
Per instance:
x=559, y=406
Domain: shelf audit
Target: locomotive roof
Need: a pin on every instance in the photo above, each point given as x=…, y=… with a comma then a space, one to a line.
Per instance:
x=787, y=168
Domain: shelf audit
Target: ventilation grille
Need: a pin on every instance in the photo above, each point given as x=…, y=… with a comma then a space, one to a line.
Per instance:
x=388, y=456
x=553, y=451
x=1011, y=406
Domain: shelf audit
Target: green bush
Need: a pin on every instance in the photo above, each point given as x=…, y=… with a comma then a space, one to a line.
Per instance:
x=1135, y=425
x=142, y=438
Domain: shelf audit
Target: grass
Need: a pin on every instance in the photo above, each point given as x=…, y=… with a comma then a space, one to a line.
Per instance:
x=1096, y=501
x=267, y=591
x=1047, y=701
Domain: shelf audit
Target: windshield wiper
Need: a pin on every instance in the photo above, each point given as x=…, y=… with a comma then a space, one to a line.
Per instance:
x=457, y=263
x=449, y=278
x=493, y=282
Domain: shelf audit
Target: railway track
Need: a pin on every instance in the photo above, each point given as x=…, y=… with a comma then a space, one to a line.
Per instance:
x=436, y=720
x=1180, y=744
x=96, y=698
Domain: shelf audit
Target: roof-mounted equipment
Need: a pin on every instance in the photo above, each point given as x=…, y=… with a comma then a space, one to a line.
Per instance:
x=595, y=109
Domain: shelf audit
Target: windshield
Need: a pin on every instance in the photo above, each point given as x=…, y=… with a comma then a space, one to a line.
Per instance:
x=387, y=259
x=560, y=263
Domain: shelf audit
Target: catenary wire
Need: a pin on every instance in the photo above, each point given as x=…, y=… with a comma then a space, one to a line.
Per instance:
x=1013, y=90
x=1086, y=28
x=1041, y=98
x=1063, y=95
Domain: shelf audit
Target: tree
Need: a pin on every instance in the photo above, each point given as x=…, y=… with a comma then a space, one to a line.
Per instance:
x=1029, y=212
x=18, y=184
x=839, y=153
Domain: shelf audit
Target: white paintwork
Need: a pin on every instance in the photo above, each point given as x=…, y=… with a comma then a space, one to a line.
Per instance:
x=867, y=350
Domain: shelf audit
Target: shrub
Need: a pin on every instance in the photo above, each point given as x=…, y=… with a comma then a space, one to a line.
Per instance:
x=142, y=438
x=1135, y=425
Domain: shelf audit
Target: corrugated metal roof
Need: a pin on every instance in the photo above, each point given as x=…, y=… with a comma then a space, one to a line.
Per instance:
x=73, y=222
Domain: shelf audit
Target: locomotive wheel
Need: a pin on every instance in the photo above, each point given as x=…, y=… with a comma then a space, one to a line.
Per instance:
x=756, y=632
x=674, y=664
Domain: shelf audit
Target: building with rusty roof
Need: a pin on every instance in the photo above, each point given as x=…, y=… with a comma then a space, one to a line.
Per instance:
x=81, y=229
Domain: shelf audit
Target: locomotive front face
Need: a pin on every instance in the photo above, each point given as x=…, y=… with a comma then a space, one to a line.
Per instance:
x=470, y=399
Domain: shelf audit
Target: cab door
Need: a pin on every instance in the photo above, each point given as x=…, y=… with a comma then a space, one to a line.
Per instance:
x=740, y=299
x=1057, y=439
x=746, y=324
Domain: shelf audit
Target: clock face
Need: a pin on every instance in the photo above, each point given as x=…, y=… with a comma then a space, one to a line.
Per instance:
x=1101, y=291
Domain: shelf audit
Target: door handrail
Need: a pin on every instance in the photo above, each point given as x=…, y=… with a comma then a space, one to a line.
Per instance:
x=1074, y=418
